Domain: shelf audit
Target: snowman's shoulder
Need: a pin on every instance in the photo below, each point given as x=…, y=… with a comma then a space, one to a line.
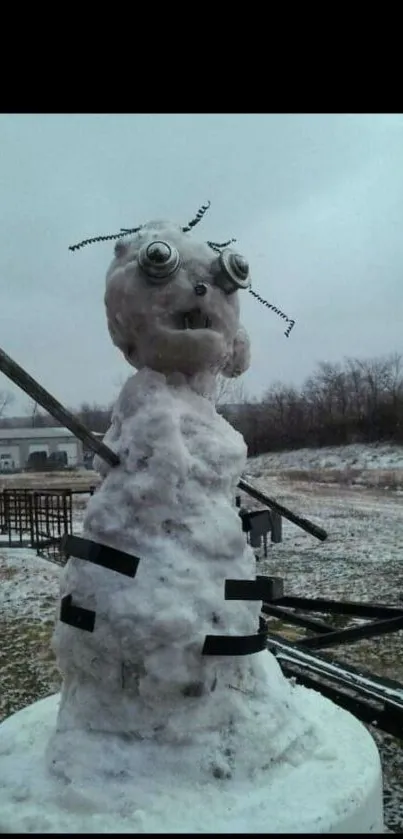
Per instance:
x=137, y=391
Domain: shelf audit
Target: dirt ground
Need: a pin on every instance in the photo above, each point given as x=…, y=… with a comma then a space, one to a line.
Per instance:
x=80, y=479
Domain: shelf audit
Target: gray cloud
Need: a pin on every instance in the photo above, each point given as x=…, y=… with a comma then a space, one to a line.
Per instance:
x=315, y=202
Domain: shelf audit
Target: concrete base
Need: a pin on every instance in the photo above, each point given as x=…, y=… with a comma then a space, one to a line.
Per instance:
x=337, y=789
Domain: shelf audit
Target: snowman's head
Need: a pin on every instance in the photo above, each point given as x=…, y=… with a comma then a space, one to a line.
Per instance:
x=172, y=302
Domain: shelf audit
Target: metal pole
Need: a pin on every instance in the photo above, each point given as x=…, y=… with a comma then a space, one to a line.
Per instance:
x=301, y=522
x=19, y=376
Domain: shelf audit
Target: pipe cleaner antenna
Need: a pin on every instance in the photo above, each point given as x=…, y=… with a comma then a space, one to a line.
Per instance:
x=124, y=231
x=198, y=217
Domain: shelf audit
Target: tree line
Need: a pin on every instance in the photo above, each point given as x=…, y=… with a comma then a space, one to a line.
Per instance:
x=94, y=416
x=356, y=400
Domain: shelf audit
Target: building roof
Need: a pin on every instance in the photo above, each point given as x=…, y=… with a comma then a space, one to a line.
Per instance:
x=34, y=433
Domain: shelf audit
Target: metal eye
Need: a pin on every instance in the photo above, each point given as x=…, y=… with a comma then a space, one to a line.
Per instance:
x=234, y=271
x=158, y=260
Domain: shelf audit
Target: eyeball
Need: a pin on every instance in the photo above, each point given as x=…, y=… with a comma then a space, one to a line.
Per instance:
x=158, y=260
x=234, y=271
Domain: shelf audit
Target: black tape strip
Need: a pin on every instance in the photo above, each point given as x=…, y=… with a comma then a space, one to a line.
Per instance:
x=253, y=514
x=100, y=555
x=75, y=615
x=259, y=589
x=263, y=588
x=234, y=644
x=246, y=517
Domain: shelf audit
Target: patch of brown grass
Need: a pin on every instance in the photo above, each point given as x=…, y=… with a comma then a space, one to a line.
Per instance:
x=83, y=479
x=27, y=664
x=8, y=573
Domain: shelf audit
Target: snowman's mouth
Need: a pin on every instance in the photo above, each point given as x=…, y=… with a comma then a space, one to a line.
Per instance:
x=194, y=319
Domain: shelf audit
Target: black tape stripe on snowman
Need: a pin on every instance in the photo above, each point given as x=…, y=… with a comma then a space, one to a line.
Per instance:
x=123, y=563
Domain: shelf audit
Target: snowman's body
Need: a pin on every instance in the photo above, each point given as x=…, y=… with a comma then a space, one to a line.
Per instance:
x=170, y=503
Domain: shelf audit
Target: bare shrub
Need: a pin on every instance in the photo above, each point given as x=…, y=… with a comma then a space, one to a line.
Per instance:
x=350, y=402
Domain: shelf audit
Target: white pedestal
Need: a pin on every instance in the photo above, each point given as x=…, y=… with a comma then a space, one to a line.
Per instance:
x=336, y=789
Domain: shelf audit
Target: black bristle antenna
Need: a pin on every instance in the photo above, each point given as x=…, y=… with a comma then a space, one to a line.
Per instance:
x=217, y=246
x=277, y=311
x=124, y=231
x=198, y=217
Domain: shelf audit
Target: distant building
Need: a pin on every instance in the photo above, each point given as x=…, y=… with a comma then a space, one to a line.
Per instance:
x=17, y=444
x=88, y=456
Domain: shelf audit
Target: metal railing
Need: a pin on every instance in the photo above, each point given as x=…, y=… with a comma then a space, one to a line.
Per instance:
x=38, y=519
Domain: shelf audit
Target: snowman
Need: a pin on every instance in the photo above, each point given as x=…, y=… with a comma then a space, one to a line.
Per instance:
x=169, y=693
x=143, y=668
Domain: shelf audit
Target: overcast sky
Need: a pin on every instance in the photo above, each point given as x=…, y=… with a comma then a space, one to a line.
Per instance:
x=315, y=202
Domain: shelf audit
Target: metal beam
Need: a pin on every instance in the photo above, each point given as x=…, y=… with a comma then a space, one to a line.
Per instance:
x=24, y=381
x=294, y=618
x=340, y=607
x=379, y=700
x=21, y=378
x=354, y=633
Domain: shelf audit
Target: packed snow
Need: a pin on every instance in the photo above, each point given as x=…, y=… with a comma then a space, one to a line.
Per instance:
x=358, y=456
x=36, y=577
x=142, y=673
x=331, y=788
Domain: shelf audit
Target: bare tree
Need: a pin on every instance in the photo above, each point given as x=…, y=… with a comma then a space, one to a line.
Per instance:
x=34, y=414
x=230, y=391
x=6, y=399
x=358, y=400
x=35, y=418
x=95, y=417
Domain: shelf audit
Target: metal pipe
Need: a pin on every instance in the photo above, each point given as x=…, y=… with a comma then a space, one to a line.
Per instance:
x=38, y=393
x=301, y=522
x=24, y=381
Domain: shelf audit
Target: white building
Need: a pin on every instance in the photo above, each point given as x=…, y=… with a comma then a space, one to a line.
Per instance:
x=17, y=444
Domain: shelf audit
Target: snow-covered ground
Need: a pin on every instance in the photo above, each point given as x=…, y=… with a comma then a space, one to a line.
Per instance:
x=357, y=455
x=362, y=559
